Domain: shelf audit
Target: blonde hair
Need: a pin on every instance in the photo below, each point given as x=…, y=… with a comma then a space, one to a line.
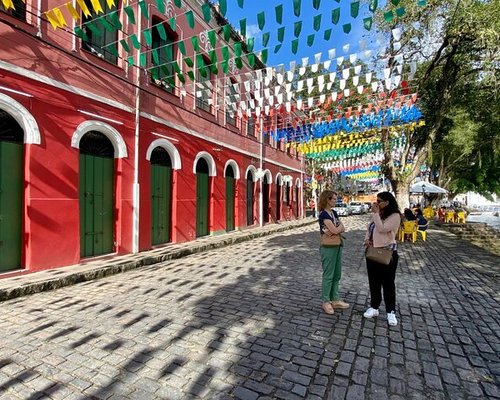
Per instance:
x=323, y=198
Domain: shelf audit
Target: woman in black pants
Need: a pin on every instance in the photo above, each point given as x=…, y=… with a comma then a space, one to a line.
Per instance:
x=381, y=233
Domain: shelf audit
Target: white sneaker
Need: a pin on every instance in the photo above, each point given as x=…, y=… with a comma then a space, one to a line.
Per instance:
x=391, y=319
x=370, y=313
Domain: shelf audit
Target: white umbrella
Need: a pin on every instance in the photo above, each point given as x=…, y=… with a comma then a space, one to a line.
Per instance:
x=426, y=188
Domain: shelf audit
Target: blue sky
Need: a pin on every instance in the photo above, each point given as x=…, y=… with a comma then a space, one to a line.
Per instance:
x=338, y=38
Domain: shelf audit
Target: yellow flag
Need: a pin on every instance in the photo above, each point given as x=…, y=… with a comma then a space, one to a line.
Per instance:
x=60, y=17
x=72, y=11
x=52, y=19
x=111, y=3
x=8, y=4
x=96, y=5
x=83, y=7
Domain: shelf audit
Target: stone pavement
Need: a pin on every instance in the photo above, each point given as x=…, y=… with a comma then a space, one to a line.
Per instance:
x=244, y=322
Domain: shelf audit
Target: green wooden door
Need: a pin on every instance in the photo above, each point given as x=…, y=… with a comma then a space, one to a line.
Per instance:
x=11, y=200
x=161, y=183
x=229, y=203
x=96, y=205
x=202, y=203
x=265, y=200
x=278, y=202
x=296, y=201
x=250, y=197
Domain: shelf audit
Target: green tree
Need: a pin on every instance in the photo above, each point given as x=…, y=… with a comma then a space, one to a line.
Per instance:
x=456, y=44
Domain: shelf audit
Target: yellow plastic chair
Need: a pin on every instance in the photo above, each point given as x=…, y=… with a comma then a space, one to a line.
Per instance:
x=401, y=235
x=460, y=217
x=410, y=228
x=423, y=233
x=449, y=217
x=428, y=213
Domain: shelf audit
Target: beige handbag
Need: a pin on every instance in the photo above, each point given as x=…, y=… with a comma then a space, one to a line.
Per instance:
x=379, y=255
x=330, y=241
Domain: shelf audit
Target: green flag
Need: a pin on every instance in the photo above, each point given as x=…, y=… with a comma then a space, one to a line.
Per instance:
x=207, y=13
x=161, y=31
x=317, y=22
x=327, y=34
x=316, y=4
x=238, y=62
x=104, y=22
x=135, y=42
x=225, y=67
x=355, y=9
x=225, y=53
x=278, y=10
x=367, y=23
x=196, y=45
x=172, y=22
x=240, y=3
x=94, y=29
x=373, y=5
x=265, y=39
x=226, y=29
x=213, y=56
x=251, y=59
x=335, y=16
x=143, y=60
x=191, y=75
x=277, y=48
x=212, y=38
x=346, y=28
x=310, y=39
x=400, y=12
x=422, y=3
x=160, y=4
x=395, y=2
x=295, y=45
x=144, y=9
x=190, y=18
x=388, y=16
x=261, y=20
x=296, y=8
x=243, y=27
x=115, y=20
x=250, y=44
x=223, y=7
x=81, y=33
x=176, y=67
x=178, y=3
x=156, y=58
x=130, y=14
x=147, y=37
x=297, y=28
x=130, y=61
x=181, y=78
x=182, y=47
x=125, y=45
x=189, y=62
x=264, y=55
x=237, y=49
x=281, y=34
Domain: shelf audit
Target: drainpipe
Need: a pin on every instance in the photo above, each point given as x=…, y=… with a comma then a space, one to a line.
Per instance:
x=135, y=189
x=261, y=171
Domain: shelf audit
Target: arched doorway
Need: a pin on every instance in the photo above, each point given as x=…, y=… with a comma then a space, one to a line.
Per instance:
x=161, y=195
x=265, y=198
x=229, y=198
x=202, y=197
x=250, y=198
x=96, y=194
x=11, y=191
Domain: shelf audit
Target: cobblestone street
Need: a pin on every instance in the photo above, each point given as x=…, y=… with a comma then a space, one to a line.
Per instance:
x=245, y=322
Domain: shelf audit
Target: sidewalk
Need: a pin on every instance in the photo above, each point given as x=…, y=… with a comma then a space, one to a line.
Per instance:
x=29, y=283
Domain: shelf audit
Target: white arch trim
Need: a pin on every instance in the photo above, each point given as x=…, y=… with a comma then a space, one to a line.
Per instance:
x=298, y=183
x=254, y=172
x=111, y=133
x=23, y=117
x=169, y=148
x=279, y=179
x=268, y=175
x=212, y=171
x=236, y=169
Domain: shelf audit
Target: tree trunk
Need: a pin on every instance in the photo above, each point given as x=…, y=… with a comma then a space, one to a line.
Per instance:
x=402, y=191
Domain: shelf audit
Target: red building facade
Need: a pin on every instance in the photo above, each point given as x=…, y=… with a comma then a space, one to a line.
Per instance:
x=99, y=156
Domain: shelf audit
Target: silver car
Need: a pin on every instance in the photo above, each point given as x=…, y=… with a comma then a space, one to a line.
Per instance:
x=357, y=207
x=342, y=210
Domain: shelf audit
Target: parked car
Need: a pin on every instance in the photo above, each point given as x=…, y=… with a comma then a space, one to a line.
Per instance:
x=368, y=206
x=343, y=210
x=357, y=207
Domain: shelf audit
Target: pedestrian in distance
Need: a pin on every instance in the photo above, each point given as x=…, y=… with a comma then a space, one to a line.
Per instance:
x=381, y=233
x=408, y=215
x=331, y=254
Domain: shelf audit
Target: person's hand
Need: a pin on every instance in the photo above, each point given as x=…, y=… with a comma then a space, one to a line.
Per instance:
x=367, y=243
x=375, y=208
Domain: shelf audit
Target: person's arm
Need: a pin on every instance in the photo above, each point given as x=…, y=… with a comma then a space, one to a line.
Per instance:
x=336, y=230
x=391, y=224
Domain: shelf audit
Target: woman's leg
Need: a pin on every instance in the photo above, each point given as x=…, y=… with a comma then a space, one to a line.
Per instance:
x=375, y=283
x=389, y=284
x=337, y=273
x=328, y=264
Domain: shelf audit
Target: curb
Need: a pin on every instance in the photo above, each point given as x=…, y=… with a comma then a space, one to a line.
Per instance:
x=31, y=283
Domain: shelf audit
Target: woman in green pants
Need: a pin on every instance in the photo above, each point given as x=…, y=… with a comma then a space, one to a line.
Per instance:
x=331, y=255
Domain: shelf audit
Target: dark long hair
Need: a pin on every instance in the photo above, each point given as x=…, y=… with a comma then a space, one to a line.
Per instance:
x=390, y=208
